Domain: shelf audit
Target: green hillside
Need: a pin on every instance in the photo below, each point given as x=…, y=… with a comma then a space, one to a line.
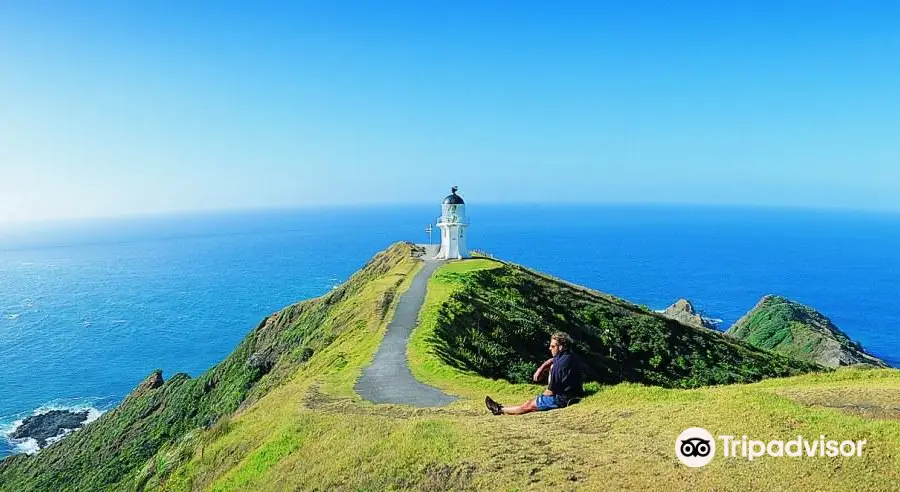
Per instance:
x=800, y=332
x=280, y=412
x=117, y=452
x=499, y=318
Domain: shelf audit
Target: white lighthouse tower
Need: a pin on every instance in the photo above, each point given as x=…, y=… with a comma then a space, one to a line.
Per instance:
x=453, y=224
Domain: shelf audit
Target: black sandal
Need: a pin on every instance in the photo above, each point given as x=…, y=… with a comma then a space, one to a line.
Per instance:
x=494, y=407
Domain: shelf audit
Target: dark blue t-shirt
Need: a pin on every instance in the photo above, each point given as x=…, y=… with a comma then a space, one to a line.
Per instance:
x=566, y=377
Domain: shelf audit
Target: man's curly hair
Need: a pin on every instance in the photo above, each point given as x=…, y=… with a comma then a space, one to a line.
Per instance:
x=562, y=339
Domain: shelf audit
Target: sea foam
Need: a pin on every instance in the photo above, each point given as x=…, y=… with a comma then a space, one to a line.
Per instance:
x=29, y=445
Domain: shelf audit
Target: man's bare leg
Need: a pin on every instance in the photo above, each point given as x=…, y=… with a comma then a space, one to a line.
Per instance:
x=527, y=407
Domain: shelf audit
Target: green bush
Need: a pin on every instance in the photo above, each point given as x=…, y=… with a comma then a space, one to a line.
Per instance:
x=498, y=324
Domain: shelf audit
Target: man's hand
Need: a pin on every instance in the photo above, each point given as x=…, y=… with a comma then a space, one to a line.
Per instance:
x=538, y=375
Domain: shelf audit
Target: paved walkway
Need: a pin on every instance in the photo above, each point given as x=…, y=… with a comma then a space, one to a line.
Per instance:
x=388, y=379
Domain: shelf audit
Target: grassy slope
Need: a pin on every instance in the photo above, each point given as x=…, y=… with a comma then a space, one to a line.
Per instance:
x=499, y=318
x=311, y=432
x=798, y=331
x=623, y=435
x=314, y=433
x=155, y=427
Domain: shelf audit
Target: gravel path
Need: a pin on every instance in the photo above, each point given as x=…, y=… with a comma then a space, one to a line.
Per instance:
x=388, y=379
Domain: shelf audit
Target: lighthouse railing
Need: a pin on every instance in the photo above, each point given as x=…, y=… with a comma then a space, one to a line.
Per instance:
x=446, y=220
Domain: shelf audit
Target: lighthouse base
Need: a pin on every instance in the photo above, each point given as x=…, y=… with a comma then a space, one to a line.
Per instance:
x=451, y=254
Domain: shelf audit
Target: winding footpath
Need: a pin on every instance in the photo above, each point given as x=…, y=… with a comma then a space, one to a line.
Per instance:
x=388, y=378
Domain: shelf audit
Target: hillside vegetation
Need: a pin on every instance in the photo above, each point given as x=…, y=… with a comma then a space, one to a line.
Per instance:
x=800, y=332
x=294, y=422
x=499, y=319
x=108, y=453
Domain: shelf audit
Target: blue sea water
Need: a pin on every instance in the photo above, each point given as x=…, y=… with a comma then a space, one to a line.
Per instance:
x=88, y=309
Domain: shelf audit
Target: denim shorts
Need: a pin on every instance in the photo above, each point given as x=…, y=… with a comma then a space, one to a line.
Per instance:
x=545, y=402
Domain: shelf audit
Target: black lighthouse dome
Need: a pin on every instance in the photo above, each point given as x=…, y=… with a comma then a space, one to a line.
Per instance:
x=453, y=198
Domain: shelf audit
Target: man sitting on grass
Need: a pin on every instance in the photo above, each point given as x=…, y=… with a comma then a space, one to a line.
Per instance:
x=564, y=384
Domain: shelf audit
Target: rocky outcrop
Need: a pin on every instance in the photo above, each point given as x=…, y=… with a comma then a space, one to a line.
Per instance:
x=151, y=382
x=54, y=423
x=684, y=312
x=798, y=331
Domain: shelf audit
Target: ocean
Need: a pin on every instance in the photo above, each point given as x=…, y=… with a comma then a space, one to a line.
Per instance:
x=89, y=308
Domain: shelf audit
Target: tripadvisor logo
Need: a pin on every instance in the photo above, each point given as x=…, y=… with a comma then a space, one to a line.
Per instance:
x=695, y=447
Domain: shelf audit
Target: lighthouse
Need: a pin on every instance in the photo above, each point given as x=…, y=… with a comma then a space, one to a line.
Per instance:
x=453, y=224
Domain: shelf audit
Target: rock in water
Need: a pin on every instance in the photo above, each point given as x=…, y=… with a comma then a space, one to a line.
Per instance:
x=684, y=311
x=51, y=424
x=798, y=331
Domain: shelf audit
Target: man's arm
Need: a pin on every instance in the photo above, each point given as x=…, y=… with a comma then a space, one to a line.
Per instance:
x=541, y=370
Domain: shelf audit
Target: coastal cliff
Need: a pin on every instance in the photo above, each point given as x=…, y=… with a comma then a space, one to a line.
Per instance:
x=111, y=452
x=800, y=332
x=281, y=413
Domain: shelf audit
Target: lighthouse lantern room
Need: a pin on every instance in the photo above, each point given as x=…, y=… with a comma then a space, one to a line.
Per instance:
x=453, y=224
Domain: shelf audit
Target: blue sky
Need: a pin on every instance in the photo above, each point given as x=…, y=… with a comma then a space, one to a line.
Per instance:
x=118, y=108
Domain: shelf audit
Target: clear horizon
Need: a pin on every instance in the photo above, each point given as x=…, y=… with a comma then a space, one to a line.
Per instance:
x=51, y=222
x=111, y=110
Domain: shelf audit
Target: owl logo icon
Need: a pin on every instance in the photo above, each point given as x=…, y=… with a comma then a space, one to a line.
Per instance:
x=695, y=447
